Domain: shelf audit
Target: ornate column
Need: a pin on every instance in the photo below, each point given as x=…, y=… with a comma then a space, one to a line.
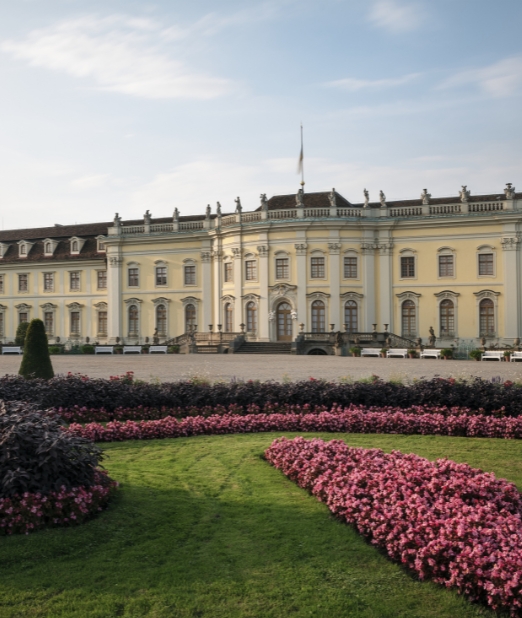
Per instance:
x=263, y=326
x=334, y=248
x=368, y=260
x=511, y=301
x=114, y=293
x=217, y=255
x=385, y=282
x=206, y=287
x=302, y=312
x=238, y=287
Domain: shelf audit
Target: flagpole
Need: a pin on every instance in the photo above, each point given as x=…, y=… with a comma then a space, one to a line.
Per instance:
x=302, y=159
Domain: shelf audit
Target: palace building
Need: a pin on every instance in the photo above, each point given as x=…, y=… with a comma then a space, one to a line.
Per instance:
x=306, y=263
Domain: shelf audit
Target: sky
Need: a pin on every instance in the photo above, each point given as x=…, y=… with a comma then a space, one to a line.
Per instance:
x=124, y=106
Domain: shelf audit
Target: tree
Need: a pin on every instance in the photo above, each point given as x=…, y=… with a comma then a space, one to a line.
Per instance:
x=36, y=362
x=21, y=332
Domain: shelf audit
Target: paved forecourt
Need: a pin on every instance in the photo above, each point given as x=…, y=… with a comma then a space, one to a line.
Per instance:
x=268, y=367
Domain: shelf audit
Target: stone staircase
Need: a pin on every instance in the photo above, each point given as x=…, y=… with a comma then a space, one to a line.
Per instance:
x=265, y=347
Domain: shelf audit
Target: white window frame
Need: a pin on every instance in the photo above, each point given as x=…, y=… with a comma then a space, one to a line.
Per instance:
x=190, y=300
x=318, y=254
x=53, y=280
x=485, y=250
x=162, y=301
x=408, y=253
x=128, y=303
x=23, y=308
x=133, y=265
x=26, y=291
x=282, y=255
x=188, y=263
x=447, y=251
x=98, y=271
x=352, y=254
x=49, y=308
x=480, y=296
x=102, y=306
x=358, y=298
x=100, y=244
x=401, y=297
x=80, y=241
x=228, y=262
x=161, y=264
x=453, y=296
x=79, y=273
x=250, y=257
x=72, y=308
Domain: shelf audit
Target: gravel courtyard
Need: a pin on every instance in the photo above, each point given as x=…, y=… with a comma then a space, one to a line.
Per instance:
x=267, y=367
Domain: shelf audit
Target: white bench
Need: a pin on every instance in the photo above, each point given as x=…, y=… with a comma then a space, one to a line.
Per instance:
x=497, y=355
x=132, y=349
x=12, y=350
x=370, y=352
x=397, y=352
x=158, y=349
x=515, y=356
x=430, y=354
x=104, y=349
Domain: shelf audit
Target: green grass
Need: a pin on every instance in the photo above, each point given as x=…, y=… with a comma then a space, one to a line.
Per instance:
x=205, y=527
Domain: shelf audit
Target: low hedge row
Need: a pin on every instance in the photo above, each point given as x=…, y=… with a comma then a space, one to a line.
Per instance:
x=124, y=392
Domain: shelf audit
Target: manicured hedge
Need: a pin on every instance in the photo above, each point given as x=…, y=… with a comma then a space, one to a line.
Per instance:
x=75, y=390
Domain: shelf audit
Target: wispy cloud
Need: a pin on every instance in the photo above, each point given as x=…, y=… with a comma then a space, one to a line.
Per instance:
x=119, y=54
x=501, y=79
x=397, y=17
x=353, y=85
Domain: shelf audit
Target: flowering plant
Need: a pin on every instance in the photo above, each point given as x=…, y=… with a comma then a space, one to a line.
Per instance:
x=446, y=521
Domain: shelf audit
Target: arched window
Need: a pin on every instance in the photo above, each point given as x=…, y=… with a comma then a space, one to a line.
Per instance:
x=251, y=311
x=487, y=317
x=48, y=248
x=190, y=318
x=133, y=321
x=229, y=318
x=74, y=246
x=409, y=319
x=318, y=317
x=22, y=250
x=350, y=316
x=161, y=320
x=447, y=318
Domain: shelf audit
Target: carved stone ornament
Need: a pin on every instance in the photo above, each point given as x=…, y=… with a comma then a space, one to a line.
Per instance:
x=368, y=247
x=251, y=298
x=239, y=208
x=300, y=248
x=207, y=212
x=147, y=217
x=115, y=260
x=317, y=296
x=190, y=300
x=425, y=197
x=332, y=199
x=464, y=194
x=48, y=306
x=510, y=243
x=205, y=256
x=236, y=252
x=366, y=198
x=101, y=305
x=271, y=316
x=293, y=314
x=282, y=289
x=409, y=296
x=216, y=254
x=133, y=301
x=76, y=306
x=447, y=295
x=262, y=251
x=351, y=296
x=334, y=248
x=486, y=294
x=385, y=248
x=382, y=199
x=23, y=306
x=160, y=301
x=264, y=202
x=509, y=191
x=218, y=209
x=117, y=220
x=299, y=199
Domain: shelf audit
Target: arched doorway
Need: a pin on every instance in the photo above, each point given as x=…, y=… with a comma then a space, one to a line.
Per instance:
x=284, y=322
x=409, y=321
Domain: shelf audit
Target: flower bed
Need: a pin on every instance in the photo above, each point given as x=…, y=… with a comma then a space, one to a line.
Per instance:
x=352, y=420
x=31, y=511
x=446, y=521
x=125, y=392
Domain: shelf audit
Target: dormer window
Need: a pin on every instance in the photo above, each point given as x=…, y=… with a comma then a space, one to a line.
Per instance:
x=23, y=250
x=48, y=248
x=101, y=244
x=76, y=245
x=24, y=247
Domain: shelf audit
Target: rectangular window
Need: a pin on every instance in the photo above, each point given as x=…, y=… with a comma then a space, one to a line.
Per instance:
x=134, y=277
x=75, y=322
x=161, y=275
x=446, y=266
x=350, y=268
x=486, y=264
x=407, y=267
x=49, y=322
x=23, y=283
x=102, y=323
x=102, y=279
x=190, y=275
x=74, y=280
x=317, y=268
x=228, y=272
x=23, y=317
x=1, y=284
x=250, y=270
x=1, y=324
x=48, y=282
x=282, y=268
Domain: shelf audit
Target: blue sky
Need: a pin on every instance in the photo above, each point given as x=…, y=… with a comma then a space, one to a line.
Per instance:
x=127, y=106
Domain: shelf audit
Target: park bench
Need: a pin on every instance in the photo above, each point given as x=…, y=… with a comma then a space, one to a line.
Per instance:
x=430, y=354
x=370, y=352
x=158, y=349
x=397, y=352
x=12, y=350
x=516, y=356
x=132, y=349
x=104, y=349
x=497, y=355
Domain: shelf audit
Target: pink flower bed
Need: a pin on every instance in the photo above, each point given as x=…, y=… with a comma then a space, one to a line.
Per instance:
x=446, y=521
x=29, y=512
x=349, y=420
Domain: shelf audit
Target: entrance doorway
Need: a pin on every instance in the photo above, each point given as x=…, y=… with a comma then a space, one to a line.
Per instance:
x=284, y=322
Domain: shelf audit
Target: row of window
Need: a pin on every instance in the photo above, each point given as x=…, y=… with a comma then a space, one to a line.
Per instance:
x=49, y=322
x=49, y=280
x=486, y=265
x=75, y=243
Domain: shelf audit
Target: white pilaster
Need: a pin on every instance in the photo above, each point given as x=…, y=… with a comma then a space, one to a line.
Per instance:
x=385, y=282
x=217, y=255
x=238, y=287
x=368, y=264
x=334, y=248
x=263, y=325
x=301, y=267
x=511, y=301
x=114, y=293
x=206, y=284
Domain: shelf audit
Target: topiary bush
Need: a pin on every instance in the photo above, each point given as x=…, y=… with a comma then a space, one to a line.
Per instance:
x=87, y=349
x=36, y=362
x=21, y=333
x=36, y=455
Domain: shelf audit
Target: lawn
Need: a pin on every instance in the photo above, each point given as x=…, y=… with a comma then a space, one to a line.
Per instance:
x=205, y=527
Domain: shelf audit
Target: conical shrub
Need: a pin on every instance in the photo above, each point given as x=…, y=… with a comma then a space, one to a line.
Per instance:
x=21, y=332
x=36, y=362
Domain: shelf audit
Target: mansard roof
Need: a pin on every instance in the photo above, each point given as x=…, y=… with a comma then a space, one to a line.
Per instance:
x=311, y=200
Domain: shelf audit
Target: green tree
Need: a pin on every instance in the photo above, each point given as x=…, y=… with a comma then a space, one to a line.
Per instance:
x=21, y=332
x=36, y=362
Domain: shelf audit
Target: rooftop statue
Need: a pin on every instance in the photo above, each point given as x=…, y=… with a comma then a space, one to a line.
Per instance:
x=464, y=194
x=239, y=208
x=264, y=202
x=147, y=217
x=509, y=191
x=207, y=212
x=218, y=209
x=175, y=216
x=332, y=199
x=382, y=198
x=299, y=198
x=117, y=220
x=425, y=196
x=366, y=198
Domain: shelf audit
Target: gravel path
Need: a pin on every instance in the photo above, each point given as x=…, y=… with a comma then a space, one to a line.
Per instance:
x=268, y=367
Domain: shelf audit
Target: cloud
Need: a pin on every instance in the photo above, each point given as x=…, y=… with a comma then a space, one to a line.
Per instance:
x=93, y=181
x=502, y=79
x=353, y=85
x=397, y=17
x=118, y=54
